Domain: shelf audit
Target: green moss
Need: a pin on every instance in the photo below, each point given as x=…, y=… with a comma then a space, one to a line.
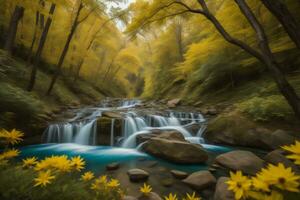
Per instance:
x=268, y=108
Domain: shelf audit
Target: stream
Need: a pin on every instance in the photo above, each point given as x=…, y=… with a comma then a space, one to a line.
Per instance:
x=80, y=132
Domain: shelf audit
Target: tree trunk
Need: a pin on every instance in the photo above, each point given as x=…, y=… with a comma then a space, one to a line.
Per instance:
x=40, y=49
x=65, y=50
x=268, y=57
x=29, y=58
x=78, y=70
x=13, y=28
x=283, y=15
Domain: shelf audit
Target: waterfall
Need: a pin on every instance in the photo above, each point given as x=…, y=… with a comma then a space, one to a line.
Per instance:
x=81, y=127
x=85, y=133
x=112, y=132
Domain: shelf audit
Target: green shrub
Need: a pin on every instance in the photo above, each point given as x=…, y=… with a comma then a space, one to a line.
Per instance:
x=267, y=108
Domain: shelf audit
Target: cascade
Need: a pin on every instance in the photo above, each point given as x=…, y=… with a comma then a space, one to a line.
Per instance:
x=82, y=127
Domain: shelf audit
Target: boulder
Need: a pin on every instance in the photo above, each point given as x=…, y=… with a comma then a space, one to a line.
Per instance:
x=137, y=175
x=171, y=135
x=200, y=180
x=176, y=151
x=236, y=129
x=277, y=156
x=179, y=174
x=173, y=103
x=245, y=161
x=222, y=192
x=193, y=128
x=112, y=166
x=150, y=196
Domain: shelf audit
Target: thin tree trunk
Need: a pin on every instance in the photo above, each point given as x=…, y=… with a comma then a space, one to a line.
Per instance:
x=40, y=49
x=65, y=50
x=283, y=85
x=179, y=41
x=29, y=58
x=13, y=28
x=283, y=15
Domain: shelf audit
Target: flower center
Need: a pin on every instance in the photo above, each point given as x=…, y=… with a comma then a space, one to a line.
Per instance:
x=239, y=185
x=281, y=180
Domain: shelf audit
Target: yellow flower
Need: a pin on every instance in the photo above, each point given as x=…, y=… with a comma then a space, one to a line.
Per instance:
x=78, y=163
x=281, y=177
x=239, y=184
x=60, y=163
x=9, y=154
x=13, y=137
x=192, y=197
x=29, y=162
x=87, y=176
x=259, y=183
x=44, y=178
x=101, y=181
x=273, y=196
x=146, y=189
x=171, y=197
x=295, y=149
x=113, y=183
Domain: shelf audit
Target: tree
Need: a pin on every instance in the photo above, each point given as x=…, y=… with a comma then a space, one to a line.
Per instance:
x=13, y=28
x=283, y=15
x=264, y=54
x=40, y=48
x=75, y=24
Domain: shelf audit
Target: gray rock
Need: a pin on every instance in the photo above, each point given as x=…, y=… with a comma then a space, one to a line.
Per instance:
x=277, y=139
x=200, y=180
x=150, y=196
x=111, y=114
x=245, y=161
x=137, y=175
x=175, y=151
x=277, y=156
x=222, y=192
x=179, y=174
x=113, y=166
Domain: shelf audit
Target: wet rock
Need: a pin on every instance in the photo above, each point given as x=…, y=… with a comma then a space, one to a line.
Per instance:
x=193, y=128
x=245, y=161
x=171, y=135
x=111, y=114
x=137, y=175
x=113, y=166
x=179, y=174
x=144, y=137
x=200, y=180
x=173, y=103
x=222, y=192
x=167, y=182
x=277, y=156
x=150, y=196
x=167, y=148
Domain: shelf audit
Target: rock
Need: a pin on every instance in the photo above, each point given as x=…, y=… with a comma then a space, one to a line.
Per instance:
x=212, y=111
x=141, y=138
x=245, y=161
x=168, y=149
x=150, y=196
x=179, y=174
x=171, y=135
x=129, y=198
x=200, y=180
x=193, y=128
x=112, y=114
x=277, y=156
x=198, y=103
x=222, y=192
x=277, y=139
x=137, y=175
x=237, y=130
x=113, y=166
x=173, y=103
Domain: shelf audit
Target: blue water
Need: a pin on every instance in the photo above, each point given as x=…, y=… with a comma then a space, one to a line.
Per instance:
x=97, y=157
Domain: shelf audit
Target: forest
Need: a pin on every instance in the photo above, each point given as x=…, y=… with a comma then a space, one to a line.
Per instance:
x=150, y=99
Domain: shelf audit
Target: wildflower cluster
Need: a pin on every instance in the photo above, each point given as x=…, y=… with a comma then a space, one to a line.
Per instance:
x=9, y=138
x=270, y=182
